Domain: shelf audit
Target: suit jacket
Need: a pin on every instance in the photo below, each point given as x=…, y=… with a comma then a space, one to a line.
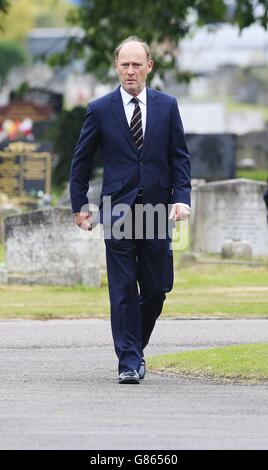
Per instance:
x=162, y=168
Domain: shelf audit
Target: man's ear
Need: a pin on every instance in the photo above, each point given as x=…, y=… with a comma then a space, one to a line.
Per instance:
x=150, y=65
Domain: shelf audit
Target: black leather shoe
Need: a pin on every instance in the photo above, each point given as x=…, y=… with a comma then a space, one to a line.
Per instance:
x=129, y=377
x=142, y=369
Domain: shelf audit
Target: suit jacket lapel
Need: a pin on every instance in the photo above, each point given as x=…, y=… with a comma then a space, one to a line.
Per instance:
x=150, y=118
x=120, y=115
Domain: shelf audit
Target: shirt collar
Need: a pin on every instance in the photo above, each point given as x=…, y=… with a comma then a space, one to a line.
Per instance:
x=126, y=97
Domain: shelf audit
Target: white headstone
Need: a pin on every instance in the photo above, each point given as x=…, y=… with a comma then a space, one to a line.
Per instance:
x=203, y=118
x=46, y=247
x=230, y=210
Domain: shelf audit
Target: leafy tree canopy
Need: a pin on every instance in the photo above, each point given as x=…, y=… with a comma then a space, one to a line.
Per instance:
x=160, y=23
x=64, y=132
x=4, y=5
x=10, y=55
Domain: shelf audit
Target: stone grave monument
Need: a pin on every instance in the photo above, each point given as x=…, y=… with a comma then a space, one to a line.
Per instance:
x=46, y=247
x=232, y=210
x=213, y=156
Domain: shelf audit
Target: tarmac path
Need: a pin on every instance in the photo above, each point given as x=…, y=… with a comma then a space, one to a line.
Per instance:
x=59, y=390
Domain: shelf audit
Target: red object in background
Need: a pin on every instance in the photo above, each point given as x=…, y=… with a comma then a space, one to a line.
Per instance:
x=12, y=130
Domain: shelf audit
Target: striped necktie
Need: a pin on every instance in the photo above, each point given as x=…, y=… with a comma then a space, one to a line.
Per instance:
x=136, y=125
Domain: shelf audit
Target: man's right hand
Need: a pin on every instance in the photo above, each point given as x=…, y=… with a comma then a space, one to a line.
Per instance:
x=83, y=220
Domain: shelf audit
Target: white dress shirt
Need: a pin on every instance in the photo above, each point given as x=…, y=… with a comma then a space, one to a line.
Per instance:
x=129, y=106
x=129, y=109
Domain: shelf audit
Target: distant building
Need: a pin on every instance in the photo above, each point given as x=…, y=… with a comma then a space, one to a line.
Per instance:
x=19, y=110
x=69, y=86
x=207, y=50
x=43, y=42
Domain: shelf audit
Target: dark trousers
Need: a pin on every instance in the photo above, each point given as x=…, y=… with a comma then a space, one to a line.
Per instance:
x=140, y=271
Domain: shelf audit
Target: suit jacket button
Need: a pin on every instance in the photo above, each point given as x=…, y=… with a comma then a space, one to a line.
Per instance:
x=141, y=163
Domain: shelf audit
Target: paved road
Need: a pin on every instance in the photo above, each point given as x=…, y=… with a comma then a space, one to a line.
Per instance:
x=59, y=390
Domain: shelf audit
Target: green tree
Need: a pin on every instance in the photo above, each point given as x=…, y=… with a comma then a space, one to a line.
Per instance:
x=10, y=55
x=4, y=5
x=160, y=23
x=64, y=132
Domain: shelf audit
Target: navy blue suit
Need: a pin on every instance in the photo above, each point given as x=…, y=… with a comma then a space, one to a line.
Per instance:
x=140, y=272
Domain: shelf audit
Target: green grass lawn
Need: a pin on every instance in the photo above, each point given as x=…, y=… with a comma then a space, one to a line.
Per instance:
x=259, y=175
x=46, y=302
x=199, y=290
x=219, y=290
x=244, y=362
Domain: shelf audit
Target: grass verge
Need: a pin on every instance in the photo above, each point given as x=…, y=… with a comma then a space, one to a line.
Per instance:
x=199, y=290
x=258, y=175
x=47, y=302
x=245, y=362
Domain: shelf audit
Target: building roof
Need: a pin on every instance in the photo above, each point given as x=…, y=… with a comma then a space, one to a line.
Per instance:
x=46, y=41
x=18, y=110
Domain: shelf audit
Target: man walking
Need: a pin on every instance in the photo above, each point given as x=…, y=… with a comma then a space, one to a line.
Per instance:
x=145, y=162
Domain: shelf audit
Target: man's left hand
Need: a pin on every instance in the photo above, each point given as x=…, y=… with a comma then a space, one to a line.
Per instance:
x=179, y=212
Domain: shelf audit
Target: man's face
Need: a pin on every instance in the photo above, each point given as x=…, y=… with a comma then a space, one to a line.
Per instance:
x=133, y=67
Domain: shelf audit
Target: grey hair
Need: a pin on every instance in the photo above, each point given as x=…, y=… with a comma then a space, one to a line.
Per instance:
x=133, y=39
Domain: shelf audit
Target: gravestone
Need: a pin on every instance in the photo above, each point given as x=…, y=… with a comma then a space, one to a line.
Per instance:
x=46, y=247
x=203, y=118
x=25, y=167
x=236, y=248
x=212, y=155
x=241, y=122
x=253, y=146
x=214, y=117
x=5, y=211
x=7, y=208
x=230, y=210
x=3, y=275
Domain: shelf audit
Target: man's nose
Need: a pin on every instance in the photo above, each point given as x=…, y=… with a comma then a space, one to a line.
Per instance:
x=130, y=70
